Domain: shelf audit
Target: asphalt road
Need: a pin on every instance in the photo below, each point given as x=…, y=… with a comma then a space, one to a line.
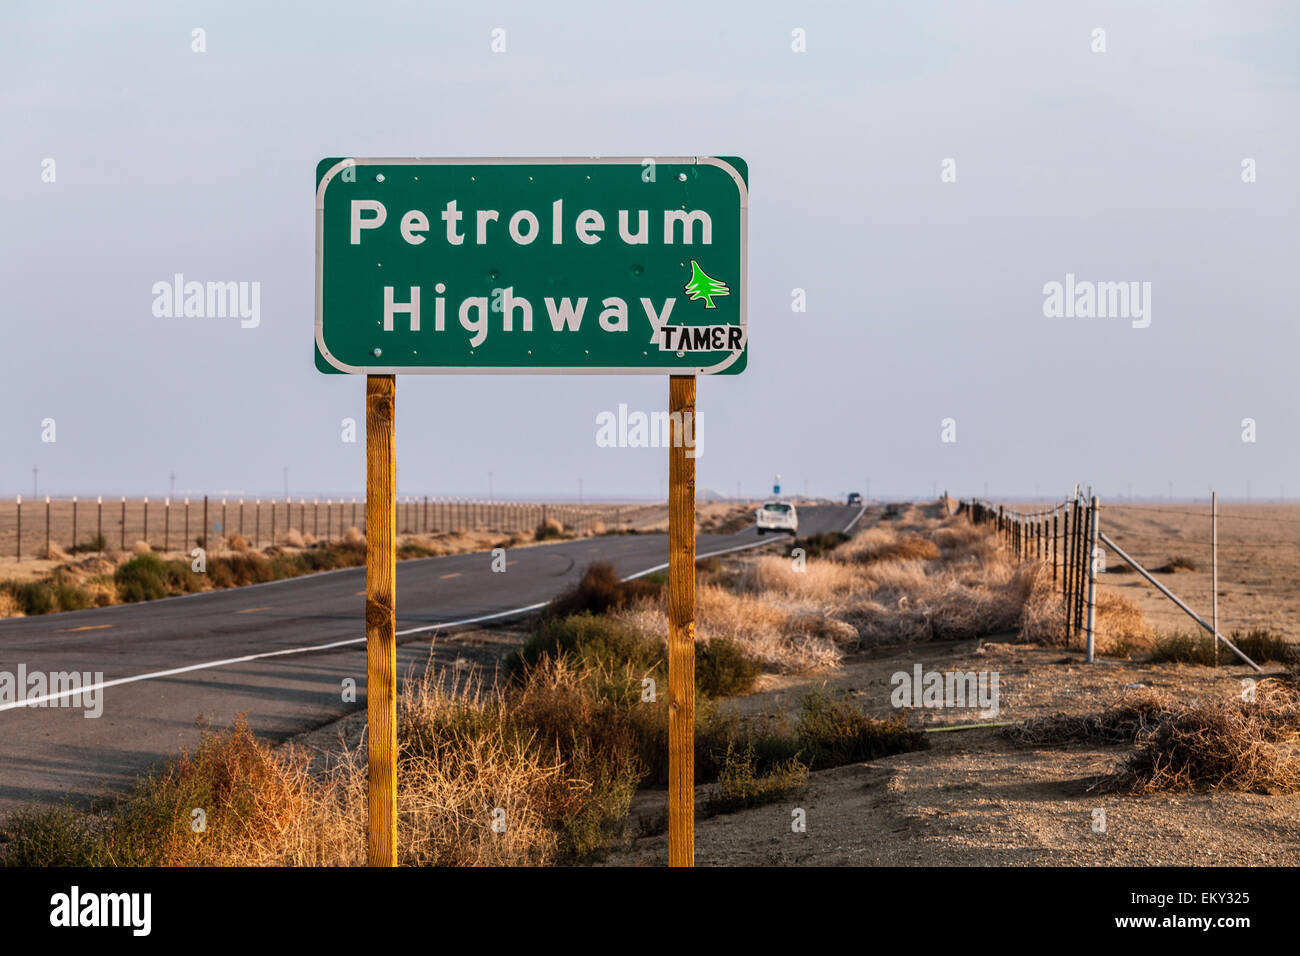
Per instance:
x=278, y=652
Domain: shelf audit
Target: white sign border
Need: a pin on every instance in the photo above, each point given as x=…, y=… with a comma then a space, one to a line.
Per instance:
x=528, y=161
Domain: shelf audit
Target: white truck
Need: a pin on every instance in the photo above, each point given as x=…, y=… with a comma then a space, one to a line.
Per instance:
x=777, y=516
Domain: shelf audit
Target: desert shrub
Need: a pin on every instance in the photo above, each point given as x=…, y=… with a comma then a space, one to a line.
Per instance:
x=598, y=643
x=258, y=808
x=1232, y=743
x=1260, y=645
x=146, y=577
x=599, y=591
x=831, y=731
x=250, y=796
x=71, y=597
x=50, y=836
x=293, y=537
x=1138, y=710
x=32, y=597
x=58, y=592
x=550, y=528
x=907, y=547
x=90, y=545
x=1176, y=563
x=816, y=545
x=723, y=669
x=742, y=785
x=411, y=549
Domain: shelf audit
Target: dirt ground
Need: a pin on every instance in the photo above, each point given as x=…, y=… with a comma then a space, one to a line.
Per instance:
x=1259, y=562
x=975, y=799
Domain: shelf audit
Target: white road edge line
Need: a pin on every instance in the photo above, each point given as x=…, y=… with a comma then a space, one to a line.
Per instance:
x=207, y=665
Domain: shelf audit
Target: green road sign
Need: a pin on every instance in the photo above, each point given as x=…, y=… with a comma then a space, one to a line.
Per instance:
x=531, y=265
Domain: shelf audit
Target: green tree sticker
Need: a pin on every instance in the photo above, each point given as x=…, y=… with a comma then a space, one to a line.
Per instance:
x=703, y=287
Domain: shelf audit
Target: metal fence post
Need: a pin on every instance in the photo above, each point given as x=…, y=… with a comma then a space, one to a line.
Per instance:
x=1092, y=579
x=1214, y=571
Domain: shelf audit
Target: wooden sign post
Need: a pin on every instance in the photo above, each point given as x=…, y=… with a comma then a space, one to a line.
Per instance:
x=381, y=617
x=681, y=622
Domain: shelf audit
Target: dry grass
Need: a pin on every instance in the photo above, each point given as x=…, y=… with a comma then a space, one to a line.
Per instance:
x=1221, y=743
x=1138, y=710
x=1236, y=744
x=141, y=547
x=819, y=580
x=1121, y=628
x=10, y=606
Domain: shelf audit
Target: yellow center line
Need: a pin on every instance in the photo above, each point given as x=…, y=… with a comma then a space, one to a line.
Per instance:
x=250, y=610
x=455, y=574
x=87, y=627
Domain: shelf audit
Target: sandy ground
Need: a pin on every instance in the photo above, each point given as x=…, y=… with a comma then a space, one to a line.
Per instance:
x=1259, y=561
x=975, y=799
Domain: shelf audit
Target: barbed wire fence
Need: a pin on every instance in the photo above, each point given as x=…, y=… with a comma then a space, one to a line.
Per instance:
x=37, y=529
x=1068, y=535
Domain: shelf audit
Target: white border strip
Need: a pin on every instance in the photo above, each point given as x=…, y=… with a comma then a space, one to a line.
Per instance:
x=207, y=665
x=725, y=363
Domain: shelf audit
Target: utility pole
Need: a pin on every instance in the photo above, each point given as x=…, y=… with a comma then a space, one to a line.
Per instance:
x=489, y=486
x=172, y=487
x=34, y=473
x=579, y=491
x=286, y=481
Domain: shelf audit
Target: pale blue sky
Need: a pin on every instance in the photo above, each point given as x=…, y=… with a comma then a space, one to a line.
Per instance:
x=924, y=298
